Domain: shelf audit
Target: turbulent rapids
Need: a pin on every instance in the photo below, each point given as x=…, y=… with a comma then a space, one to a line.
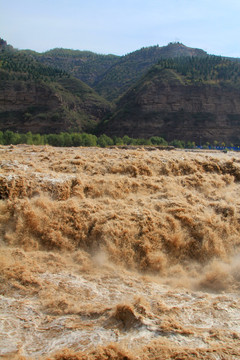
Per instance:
x=119, y=254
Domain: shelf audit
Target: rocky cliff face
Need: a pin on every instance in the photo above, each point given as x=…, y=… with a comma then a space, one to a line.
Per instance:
x=176, y=110
x=19, y=96
x=27, y=106
x=44, y=108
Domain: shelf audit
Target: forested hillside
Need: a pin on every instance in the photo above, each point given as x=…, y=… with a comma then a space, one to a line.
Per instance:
x=112, y=75
x=193, y=98
x=133, y=66
x=211, y=69
x=17, y=65
x=84, y=65
x=174, y=92
x=44, y=99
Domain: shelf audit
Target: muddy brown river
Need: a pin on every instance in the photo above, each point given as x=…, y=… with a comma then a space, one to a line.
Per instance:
x=119, y=254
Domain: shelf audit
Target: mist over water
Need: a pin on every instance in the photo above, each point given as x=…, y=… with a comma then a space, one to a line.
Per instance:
x=119, y=254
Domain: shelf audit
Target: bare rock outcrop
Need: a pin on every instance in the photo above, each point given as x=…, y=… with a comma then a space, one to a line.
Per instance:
x=174, y=109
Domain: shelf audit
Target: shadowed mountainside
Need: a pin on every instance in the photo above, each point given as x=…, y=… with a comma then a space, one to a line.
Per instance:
x=84, y=65
x=112, y=75
x=133, y=66
x=185, y=98
x=39, y=98
x=188, y=95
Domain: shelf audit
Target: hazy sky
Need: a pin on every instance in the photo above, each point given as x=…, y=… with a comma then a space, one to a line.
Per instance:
x=121, y=26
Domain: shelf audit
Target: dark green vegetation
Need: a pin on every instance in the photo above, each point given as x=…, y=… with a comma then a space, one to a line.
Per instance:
x=16, y=65
x=84, y=65
x=133, y=66
x=174, y=92
x=210, y=69
x=82, y=139
x=112, y=75
x=44, y=99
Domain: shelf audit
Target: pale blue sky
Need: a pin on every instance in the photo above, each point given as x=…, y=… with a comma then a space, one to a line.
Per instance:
x=121, y=26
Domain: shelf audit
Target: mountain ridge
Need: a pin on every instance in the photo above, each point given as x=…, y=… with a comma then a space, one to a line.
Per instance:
x=111, y=75
x=43, y=99
x=182, y=98
x=177, y=97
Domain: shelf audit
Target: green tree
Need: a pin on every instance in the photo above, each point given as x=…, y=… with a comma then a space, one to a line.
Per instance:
x=126, y=140
x=178, y=144
x=156, y=140
x=1, y=138
x=37, y=139
x=9, y=137
x=54, y=140
x=190, y=145
x=77, y=139
x=23, y=139
x=117, y=140
x=104, y=141
x=89, y=140
x=143, y=142
x=67, y=139
x=29, y=138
